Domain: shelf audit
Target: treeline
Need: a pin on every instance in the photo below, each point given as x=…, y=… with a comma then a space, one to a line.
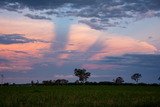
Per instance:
x=100, y=83
x=83, y=75
x=65, y=82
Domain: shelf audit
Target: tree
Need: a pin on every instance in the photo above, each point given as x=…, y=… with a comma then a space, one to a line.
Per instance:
x=61, y=81
x=32, y=82
x=119, y=80
x=159, y=78
x=136, y=77
x=82, y=74
x=48, y=82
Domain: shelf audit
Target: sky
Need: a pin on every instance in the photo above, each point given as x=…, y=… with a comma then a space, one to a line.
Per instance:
x=48, y=39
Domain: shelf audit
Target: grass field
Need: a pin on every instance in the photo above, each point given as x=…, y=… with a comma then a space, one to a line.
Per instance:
x=80, y=96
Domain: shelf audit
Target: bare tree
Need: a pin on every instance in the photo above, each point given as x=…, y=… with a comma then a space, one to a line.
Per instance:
x=136, y=77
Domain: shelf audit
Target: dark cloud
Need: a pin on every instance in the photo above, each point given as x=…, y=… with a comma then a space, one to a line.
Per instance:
x=104, y=11
x=15, y=51
x=37, y=17
x=16, y=39
x=13, y=39
x=135, y=60
x=2, y=60
x=93, y=25
x=21, y=52
x=96, y=24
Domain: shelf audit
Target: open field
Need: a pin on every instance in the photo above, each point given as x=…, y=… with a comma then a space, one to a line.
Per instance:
x=80, y=96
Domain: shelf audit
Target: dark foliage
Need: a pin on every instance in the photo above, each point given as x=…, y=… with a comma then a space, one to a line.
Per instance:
x=82, y=74
x=61, y=81
x=119, y=80
x=136, y=77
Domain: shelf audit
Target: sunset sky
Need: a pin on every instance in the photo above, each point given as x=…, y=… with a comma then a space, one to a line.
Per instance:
x=48, y=39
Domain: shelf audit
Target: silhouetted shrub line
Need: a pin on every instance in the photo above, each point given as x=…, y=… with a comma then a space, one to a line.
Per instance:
x=83, y=75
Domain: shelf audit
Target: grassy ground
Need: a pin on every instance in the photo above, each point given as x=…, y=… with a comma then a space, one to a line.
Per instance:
x=80, y=96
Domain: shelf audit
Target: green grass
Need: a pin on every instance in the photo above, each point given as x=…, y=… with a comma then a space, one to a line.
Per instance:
x=80, y=96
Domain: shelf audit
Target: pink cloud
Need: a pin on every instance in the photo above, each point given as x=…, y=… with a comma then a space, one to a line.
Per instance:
x=32, y=29
x=119, y=45
x=83, y=38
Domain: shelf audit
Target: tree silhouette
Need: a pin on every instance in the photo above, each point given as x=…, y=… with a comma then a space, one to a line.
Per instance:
x=119, y=80
x=159, y=78
x=61, y=81
x=32, y=82
x=82, y=74
x=136, y=77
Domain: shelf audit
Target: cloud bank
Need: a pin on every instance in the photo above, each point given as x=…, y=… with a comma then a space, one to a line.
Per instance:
x=98, y=14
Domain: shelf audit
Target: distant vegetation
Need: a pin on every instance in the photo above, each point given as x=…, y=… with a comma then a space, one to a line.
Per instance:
x=55, y=82
x=118, y=80
x=136, y=77
x=83, y=75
